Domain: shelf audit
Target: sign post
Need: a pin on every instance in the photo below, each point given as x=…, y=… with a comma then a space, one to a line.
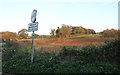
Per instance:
x=31, y=28
x=32, y=54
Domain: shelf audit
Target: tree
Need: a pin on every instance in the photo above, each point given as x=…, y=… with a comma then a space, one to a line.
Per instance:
x=68, y=31
x=23, y=34
x=110, y=33
x=90, y=31
x=36, y=35
x=10, y=36
x=52, y=32
x=78, y=30
x=58, y=32
x=65, y=30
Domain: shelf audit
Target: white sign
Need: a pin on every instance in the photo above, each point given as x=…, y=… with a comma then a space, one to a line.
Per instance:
x=32, y=27
x=33, y=16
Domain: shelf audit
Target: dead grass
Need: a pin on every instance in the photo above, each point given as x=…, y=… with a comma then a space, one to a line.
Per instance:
x=57, y=43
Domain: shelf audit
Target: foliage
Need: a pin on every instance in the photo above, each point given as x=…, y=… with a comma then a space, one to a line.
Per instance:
x=23, y=34
x=36, y=36
x=58, y=32
x=67, y=31
x=0, y=37
x=108, y=52
x=52, y=32
x=9, y=35
x=110, y=33
x=0, y=40
x=9, y=49
x=87, y=59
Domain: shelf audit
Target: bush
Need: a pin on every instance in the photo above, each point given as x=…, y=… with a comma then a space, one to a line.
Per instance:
x=10, y=48
x=110, y=33
x=111, y=50
x=68, y=51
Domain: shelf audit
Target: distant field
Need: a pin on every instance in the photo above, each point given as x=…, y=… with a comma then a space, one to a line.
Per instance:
x=86, y=36
x=57, y=43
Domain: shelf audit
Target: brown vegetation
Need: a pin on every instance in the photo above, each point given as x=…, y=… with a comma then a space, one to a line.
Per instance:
x=67, y=31
x=110, y=33
x=58, y=43
x=9, y=36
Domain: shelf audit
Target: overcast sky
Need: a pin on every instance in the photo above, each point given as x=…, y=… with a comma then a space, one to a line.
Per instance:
x=94, y=14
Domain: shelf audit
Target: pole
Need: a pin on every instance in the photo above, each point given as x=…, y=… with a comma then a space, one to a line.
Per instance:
x=32, y=55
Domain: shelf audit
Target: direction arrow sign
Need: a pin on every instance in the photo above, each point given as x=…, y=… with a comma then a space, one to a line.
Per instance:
x=32, y=27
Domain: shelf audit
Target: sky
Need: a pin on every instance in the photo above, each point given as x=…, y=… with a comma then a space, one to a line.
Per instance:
x=93, y=14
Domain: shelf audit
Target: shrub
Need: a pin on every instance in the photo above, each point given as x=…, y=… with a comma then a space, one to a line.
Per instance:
x=110, y=33
x=111, y=50
x=67, y=50
x=10, y=48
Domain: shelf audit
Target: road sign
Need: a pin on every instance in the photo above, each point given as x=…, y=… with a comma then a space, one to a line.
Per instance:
x=33, y=16
x=32, y=27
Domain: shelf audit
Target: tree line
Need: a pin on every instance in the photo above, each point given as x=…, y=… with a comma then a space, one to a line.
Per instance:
x=67, y=31
x=13, y=36
x=64, y=31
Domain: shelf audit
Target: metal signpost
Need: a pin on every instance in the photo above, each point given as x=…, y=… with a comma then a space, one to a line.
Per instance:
x=31, y=28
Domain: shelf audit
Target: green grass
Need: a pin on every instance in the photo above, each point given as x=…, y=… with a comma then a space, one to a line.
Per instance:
x=85, y=36
x=87, y=59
